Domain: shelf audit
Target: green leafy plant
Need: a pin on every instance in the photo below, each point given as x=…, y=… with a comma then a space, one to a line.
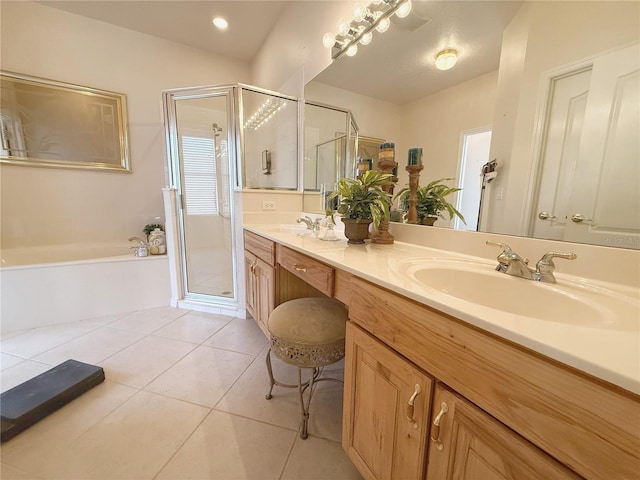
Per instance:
x=363, y=198
x=151, y=227
x=431, y=201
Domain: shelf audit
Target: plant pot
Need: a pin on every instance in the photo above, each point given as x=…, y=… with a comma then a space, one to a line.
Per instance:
x=429, y=220
x=356, y=229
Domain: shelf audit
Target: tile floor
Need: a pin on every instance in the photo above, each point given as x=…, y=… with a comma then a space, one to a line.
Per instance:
x=183, y=399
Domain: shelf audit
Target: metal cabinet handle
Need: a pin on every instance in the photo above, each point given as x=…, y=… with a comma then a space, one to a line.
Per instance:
x=435, y=430
x=252, y=267
x=579, y=218
x=299, y=268
x=410, y=406
x=546, y=216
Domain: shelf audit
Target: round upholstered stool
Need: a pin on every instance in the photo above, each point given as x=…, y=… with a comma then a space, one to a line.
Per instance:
x=306, y=333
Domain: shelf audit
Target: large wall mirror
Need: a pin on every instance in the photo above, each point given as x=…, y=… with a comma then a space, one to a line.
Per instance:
x=46, y=123
x=556, y=83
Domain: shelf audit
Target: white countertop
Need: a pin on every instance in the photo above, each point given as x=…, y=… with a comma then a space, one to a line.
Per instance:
x=609, y=353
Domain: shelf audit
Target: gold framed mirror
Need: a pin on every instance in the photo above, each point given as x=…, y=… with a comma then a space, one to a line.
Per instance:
x=46, y=123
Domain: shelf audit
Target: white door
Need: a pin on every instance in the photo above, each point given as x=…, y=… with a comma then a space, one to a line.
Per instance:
x=604, y=206
x=568, y=99
x=475, y=153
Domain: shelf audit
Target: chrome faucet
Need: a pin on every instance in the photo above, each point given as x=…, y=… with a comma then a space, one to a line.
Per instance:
x=140, y=241
x=313, y=225
x=511, y=263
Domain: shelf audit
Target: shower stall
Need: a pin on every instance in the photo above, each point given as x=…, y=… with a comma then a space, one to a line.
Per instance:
x=221, y=139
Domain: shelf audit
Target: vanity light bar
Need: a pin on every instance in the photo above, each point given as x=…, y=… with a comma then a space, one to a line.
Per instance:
x=375, y=16
x=264, y=113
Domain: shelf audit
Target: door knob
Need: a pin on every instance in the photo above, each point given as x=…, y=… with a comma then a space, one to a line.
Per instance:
x=546, y=216
x=579, y=218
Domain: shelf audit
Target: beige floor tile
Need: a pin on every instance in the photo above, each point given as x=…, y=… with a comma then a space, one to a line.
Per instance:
x=7, y=360
x=38, y=446
x=319, y=459
x=133, y=442
x=142, y=362
x=194, y=327
x=91, y=348
x=228, y=447
x=203, y=376
x=38, y=340
x=240, y=335
x=21, y=372
x=247, y=396
x=8, y=472
x=148, y=321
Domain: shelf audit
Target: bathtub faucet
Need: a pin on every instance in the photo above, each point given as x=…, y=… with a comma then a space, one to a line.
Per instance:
x=140, y=241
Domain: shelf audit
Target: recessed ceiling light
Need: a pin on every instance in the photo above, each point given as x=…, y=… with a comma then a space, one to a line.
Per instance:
x=220, y=22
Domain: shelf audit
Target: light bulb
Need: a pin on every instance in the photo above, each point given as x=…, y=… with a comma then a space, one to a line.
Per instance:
x=383, y=26
x=446, y=59
x=366, y=38
x=404, y=10
x=343, y=27
x=352, y=50
x=359, y=12
x=329, y=40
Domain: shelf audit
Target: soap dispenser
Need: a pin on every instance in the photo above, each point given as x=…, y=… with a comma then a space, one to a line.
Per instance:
x=157, y=242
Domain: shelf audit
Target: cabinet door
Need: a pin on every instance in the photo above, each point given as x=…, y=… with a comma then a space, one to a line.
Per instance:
x=265, y=277
x=468, y=444
x=384, y=435
x=251, y=283
x=260, y=289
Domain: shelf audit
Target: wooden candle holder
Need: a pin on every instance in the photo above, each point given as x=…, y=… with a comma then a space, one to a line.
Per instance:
x=414, y=177
x=382, y=235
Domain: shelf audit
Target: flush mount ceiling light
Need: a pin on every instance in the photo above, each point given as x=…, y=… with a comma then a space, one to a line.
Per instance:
x=446, y=59
x=220, y=23
x=375, y=16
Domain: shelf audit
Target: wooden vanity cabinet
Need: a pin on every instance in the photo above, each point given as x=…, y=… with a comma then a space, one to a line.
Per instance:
x=468, y=444
x=515, y=402
x=260, y=278
x=386, y=410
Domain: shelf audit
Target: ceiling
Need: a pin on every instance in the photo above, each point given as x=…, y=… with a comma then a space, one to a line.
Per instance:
x=188, y=22
x=399, y=65
x=401, y=56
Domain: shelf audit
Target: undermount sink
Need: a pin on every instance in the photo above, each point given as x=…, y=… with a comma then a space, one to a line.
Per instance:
x=296, y=229
x=568, y=303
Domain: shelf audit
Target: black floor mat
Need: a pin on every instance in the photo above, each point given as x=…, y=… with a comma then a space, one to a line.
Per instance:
x=31, y=401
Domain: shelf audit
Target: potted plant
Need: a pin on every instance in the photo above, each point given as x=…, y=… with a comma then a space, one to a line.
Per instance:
x=362, y=201
x=431, y=201
x=151, y=227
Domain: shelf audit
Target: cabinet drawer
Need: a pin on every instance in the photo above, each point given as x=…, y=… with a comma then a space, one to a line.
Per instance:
x=260, y=246
x=585, y=424
x=313, y=272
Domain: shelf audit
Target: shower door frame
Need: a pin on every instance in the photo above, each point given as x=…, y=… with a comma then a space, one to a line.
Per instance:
x=173, y=159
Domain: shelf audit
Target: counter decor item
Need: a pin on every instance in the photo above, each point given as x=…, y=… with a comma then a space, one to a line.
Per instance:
x=151, y=227
x=430, y=202
x=362, y=202
x=386, y=164
x=415, y=156
x=157, y=242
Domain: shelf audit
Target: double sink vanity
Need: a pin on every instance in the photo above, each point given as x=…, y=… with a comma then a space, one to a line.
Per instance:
x=456, y=370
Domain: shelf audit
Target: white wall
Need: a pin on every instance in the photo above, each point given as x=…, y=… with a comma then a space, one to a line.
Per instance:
x=293, y=53
x=542, y=36
x=437, y=122
x=51, y=206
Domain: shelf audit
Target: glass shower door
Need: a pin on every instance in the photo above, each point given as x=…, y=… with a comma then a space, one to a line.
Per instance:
x=203, y=178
